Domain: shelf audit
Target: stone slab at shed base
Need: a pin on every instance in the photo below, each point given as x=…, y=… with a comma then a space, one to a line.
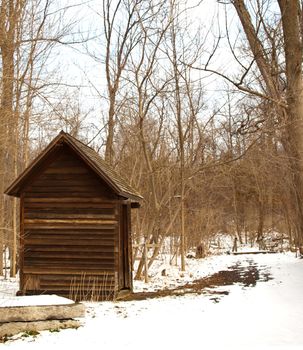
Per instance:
x=37, y=313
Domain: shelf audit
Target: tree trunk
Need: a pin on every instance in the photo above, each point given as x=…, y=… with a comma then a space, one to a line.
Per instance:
x=290, y=11
x=292, y=114
x=178, y=112
x=6, y=129
x=109, y=147
x=261, y=222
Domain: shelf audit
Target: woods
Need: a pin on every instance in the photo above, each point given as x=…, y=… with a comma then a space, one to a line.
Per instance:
x=204, y=120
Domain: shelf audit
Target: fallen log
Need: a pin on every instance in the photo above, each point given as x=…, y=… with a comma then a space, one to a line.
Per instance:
x=255, y=252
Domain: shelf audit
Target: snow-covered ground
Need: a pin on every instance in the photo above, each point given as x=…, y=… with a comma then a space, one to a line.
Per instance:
x=268, y=315
x=34, y=300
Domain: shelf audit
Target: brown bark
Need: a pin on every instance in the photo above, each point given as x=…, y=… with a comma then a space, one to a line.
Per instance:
x=256, y=48
x=119, y=44
x=292, y=113
x=178, y=113
x=290, y=11
x=8, y=22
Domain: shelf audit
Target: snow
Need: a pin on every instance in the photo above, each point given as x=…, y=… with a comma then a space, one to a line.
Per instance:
x=35, y=300
x=266, y=316
x=8, y=287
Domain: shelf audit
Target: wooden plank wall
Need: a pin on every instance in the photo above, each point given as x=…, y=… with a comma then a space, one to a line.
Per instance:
x=70, y=233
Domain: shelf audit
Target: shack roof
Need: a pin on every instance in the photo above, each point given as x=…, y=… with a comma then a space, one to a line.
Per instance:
x=102, y=169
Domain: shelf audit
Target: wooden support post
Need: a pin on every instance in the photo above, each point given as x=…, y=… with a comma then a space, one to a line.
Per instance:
x=13, y=252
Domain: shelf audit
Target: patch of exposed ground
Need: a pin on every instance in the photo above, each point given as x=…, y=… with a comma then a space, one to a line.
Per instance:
x=246, y=273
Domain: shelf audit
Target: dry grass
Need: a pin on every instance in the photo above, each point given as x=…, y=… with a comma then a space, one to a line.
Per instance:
x=92, y=288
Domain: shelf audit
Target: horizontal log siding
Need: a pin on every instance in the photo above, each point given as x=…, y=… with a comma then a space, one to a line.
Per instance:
x=70, y=233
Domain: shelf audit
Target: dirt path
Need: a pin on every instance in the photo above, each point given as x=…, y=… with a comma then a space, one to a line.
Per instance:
x=245, y=272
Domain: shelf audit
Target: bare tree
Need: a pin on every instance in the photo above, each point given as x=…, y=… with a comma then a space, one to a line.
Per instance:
x=10, y=15
x=122, y=34
x=291, y=112
x=29, y=31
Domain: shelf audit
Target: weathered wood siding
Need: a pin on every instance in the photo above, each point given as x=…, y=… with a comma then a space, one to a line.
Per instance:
x=70, y=232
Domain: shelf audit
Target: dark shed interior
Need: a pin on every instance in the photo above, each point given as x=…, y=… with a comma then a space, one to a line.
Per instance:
x=75, y=224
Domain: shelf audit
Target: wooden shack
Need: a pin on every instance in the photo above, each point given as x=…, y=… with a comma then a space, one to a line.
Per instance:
x=75, y=222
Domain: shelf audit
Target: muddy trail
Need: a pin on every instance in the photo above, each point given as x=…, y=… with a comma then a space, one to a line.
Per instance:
x=247, y=275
